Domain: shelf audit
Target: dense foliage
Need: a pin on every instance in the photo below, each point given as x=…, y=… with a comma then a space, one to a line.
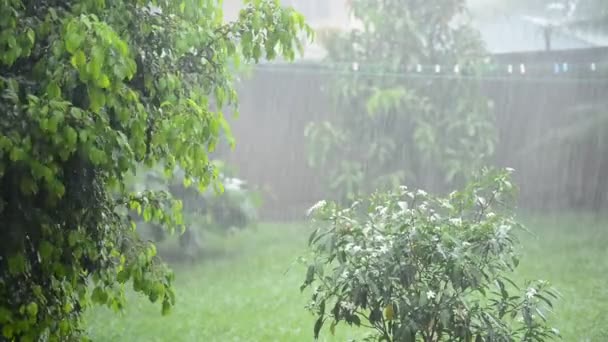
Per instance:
x=414, y=267
x=88, y=90
x=389, y=128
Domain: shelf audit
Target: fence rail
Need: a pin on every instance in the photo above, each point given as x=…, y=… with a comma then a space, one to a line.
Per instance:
x=557, y=166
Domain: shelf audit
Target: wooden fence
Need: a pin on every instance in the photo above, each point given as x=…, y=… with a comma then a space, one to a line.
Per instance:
x=543, y=110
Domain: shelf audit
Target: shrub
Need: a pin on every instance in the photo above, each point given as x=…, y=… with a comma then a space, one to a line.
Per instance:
x=414, y=267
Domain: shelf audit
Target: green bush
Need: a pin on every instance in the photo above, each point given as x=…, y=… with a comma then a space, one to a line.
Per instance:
x=414, y=267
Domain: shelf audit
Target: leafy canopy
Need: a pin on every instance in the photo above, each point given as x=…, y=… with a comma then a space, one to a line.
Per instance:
x=88, y=90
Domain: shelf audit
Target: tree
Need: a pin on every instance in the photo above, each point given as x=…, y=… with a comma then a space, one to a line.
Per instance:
x=430, y=128
x=90, y=89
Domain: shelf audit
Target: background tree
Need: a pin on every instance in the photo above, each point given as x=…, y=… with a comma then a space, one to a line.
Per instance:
x=88, y=90
x=390, y=128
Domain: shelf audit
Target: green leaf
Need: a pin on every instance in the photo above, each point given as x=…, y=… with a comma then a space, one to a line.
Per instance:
x=83, y=135
x=17, y=154
x=53, y=91
x=79, y=60
x=71, y=136
x=94, y=68
x=332, y=328
x=73, y=238
x=166, y=309
x=31, y=35
x=318, y=326
x=7, y=331
x=64, y=326
x=544, y=299
x=123, y=276
x=99, y=295
x=28, y=185
x=16, y=264
x=46, y=250
x=5, y=315
x=97, y=99
x=147, y=216
x=355, y=320
x=312, y=237
x=32, y=309
x=68, y=307
x=73, y=40
x=103, y=81
x=310, y=276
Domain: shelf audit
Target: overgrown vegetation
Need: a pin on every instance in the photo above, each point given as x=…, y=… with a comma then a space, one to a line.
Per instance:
x=388, y=129
x=414, y=267
x=89, y=89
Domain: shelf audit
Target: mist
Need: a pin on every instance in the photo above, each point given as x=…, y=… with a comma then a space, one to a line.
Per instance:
x=516, y=85
x=304, y=170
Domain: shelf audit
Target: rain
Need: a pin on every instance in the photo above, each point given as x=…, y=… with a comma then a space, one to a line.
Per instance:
x=391, y=170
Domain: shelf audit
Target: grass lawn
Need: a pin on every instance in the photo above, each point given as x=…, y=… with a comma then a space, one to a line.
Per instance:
x=249, y=289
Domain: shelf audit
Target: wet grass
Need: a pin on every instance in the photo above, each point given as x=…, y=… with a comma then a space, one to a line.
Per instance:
x=572, y=253
x=244, y=291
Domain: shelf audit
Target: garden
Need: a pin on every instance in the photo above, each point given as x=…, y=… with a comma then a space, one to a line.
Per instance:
x=259, y=299
x=167, y=174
